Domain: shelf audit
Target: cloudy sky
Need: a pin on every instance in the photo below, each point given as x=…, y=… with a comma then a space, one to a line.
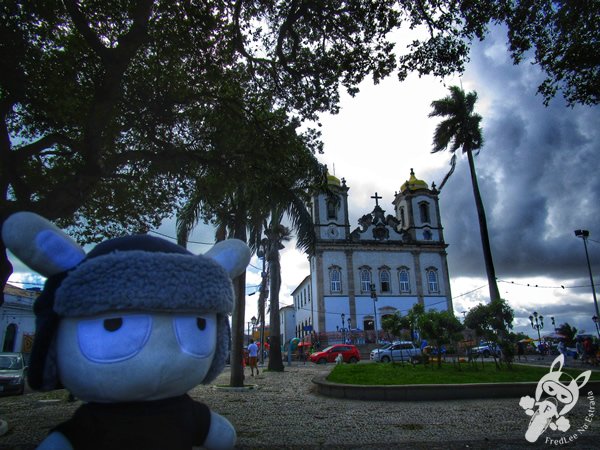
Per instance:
x=538, y=174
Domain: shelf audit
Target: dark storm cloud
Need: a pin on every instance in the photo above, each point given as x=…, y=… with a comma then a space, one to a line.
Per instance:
x=538, y=174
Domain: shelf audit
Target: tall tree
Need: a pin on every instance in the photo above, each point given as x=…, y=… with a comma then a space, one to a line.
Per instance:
x=266, y=162
x=276, y=234
x=461, y=130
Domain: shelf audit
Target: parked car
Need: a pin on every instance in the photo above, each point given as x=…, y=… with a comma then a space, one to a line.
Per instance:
x=486, y=349
x=12, y=373
x=398, y=351
x=349, y=352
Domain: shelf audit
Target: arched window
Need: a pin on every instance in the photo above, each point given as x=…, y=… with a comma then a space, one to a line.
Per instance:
x=404, y=279
x=365, y=280
x=335, y=278
x=10, y=336
x=424, y=212
x=402, y=219
x=384, y=280
x=332, y=203
x=432, y=280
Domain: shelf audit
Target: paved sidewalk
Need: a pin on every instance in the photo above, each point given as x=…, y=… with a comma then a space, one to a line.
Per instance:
x=284, y=411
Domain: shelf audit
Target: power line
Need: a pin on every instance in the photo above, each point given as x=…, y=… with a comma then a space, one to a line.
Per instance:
x=532, y=285
x=175, y=239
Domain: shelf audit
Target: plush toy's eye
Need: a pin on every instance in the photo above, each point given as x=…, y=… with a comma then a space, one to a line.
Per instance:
x=197, y=336
x=113, y=324
x=112, y=339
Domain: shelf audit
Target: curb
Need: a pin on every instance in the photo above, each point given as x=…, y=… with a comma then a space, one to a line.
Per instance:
x=431, y=392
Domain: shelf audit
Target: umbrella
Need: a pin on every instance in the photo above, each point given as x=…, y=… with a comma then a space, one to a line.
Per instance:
x=526, y=340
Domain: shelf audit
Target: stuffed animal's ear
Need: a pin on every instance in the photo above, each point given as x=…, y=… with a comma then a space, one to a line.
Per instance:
x=559, y=360
x=582, y=379
x=40, y=244
x=232, y=254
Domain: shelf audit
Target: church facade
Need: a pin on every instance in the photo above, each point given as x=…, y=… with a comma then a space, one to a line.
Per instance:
x=385, y=265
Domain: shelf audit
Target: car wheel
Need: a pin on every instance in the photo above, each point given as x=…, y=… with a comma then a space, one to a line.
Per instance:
x=322, y=361
x=353, y=360
x=486, y=354
x=385, y=359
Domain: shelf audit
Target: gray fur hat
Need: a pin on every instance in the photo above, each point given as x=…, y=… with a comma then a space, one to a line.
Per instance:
x=139, y=273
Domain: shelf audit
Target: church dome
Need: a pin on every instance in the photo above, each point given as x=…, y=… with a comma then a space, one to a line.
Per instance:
x=333, y=180
x=413, y=183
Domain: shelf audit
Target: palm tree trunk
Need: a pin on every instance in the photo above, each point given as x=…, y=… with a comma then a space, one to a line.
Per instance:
x=237, y=322
x=6, y=268
x=485, y=240
x=275, y=360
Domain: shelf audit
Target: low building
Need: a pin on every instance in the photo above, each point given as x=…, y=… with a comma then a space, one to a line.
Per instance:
x=17, y=321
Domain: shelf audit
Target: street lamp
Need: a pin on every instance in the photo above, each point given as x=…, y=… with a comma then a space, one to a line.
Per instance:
x=343, y=329
x=252, y=322
x=538, y=325
x=553, y=323
x=595, y=319
x=584, y=234
x=374, y=297
x=350, y=328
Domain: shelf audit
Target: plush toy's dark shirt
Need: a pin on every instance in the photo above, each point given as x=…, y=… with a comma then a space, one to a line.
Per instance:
x=175, y=423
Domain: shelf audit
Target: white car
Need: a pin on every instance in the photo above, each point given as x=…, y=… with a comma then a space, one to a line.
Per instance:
x=396, y=351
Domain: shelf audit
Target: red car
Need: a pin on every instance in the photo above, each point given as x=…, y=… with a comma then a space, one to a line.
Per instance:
x=349, y=353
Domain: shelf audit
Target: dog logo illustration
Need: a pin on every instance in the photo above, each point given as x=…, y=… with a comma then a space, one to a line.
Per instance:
x=553, y=399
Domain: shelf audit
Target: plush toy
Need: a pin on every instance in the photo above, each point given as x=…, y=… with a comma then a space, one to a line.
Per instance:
x=129, y=328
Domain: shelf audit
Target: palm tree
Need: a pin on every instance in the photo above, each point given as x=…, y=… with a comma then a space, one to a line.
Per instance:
x=260, y=160
x=230, y=217
x=276, y=234
x=461, y=129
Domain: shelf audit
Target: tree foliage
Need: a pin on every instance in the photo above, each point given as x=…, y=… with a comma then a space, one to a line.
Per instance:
x=105, y=106
x=490, y=320
x=569, y=332
x=440, y=328
x=562, y=36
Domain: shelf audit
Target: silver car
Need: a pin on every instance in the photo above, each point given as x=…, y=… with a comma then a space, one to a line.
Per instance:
x=396, y=351
x=12, y=373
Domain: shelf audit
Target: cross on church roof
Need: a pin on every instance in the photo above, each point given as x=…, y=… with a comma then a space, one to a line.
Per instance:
x=376, y=197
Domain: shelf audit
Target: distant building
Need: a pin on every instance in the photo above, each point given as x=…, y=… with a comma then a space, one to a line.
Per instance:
x=386, y=265
x=17, y=321
x=287, y=324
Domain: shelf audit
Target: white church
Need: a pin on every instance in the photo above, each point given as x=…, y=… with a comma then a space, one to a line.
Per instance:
x=387, y=264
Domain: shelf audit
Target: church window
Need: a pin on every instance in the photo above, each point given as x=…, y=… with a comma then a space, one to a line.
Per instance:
x=402, y=220
x=427, y=234
x=332, y=207
x=424, y=212
x=432, y=280
x=404, y=279
x=384, y=280
x=365, y=280
x=335, y=277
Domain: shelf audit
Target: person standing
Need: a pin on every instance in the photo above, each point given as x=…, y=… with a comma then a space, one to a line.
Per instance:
x=562, y=349
x=253, y=357
x=580, y=350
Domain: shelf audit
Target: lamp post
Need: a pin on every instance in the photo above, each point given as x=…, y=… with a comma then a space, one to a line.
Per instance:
x=584, y=234
x=253, y=321
x=374, y=297
x=553, y=323
x=264, y=293
x=538, y=325
x=343, y=328
x=596, y=319
x=350, y=328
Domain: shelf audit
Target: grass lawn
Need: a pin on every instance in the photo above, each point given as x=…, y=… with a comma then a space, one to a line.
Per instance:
x=396, y=373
